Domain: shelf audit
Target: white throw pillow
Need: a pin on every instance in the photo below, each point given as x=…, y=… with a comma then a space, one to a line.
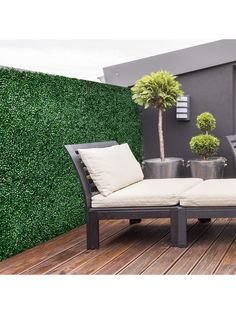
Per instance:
x=111, y=168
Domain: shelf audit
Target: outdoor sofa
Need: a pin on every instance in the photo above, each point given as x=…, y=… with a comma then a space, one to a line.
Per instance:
x=114, y=188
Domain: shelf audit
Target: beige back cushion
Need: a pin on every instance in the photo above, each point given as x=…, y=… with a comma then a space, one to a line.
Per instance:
x=111, y=168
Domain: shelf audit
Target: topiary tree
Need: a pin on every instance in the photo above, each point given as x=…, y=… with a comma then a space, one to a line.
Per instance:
x=205, y=145
x=159, y=90
x=206, y=122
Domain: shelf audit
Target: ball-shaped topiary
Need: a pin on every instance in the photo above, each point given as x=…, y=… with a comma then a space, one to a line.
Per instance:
x=204, y=145
x=206, y=122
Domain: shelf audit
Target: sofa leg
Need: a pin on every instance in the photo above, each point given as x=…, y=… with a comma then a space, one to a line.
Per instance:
x=204, y=220
x=182, y=228
x=174, y=228
x=134, y=221
x=92, y=227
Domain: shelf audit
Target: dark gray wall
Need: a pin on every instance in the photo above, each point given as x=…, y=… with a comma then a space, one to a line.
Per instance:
x=212, y=90
x=177, y=62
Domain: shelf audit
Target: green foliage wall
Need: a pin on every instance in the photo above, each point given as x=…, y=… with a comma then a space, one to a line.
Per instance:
x=39, y=113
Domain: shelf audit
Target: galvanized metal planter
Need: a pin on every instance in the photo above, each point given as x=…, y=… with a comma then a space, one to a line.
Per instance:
x=156, y=169
x=207, y=169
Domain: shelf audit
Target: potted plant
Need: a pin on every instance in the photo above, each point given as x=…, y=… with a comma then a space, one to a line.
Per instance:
x=206, y=146
x=160, y=91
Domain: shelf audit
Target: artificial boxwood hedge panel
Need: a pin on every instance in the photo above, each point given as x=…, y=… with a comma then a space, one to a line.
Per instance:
x=39, y=113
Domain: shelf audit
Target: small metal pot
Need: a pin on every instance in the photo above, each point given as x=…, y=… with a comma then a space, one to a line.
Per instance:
x=207, y=169
x=156, y=169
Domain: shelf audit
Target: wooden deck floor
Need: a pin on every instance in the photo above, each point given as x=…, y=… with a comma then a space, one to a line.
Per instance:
x=138, y=249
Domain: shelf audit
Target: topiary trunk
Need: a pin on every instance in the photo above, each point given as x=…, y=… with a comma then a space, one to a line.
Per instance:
x=161, y=137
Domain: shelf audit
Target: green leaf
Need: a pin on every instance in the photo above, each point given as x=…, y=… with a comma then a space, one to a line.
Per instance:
x=161, y=87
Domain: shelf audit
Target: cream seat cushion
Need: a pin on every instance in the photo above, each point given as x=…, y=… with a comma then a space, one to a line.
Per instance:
x=111, y=168
x=149, y=192
x=221, y=192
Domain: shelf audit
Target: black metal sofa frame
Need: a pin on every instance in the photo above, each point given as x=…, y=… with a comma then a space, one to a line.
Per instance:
x=134, y=214
x=201, y=213
x=178, y=215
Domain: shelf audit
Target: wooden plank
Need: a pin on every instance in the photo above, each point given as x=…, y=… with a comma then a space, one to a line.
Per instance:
x=139, y=248
x=115, y=245
x=169, y=258
x=58, y=259
x=228, y=263
x=187, y=262
x=35, y=255
x=210, y=260
x=138, y=264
